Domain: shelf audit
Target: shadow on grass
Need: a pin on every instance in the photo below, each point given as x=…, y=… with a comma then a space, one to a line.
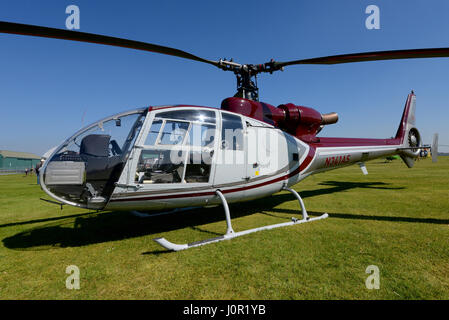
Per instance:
x=91, y=228
x=369, y=217
x=44, y=220
x=109, y=226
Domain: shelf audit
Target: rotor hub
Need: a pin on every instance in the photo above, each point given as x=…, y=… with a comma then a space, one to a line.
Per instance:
x=246, y=75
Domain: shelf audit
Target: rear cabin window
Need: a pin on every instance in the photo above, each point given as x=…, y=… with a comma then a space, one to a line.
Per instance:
x=231, y=132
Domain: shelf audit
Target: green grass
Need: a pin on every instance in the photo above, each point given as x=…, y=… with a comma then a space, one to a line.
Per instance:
x=395, y=218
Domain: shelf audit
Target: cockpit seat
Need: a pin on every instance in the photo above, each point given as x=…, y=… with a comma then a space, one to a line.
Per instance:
x=96, y=145
x=100, y=166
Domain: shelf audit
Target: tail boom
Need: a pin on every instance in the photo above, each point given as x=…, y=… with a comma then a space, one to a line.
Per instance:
x=332, y=153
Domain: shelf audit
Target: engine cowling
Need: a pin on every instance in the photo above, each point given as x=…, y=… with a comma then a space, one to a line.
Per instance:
x=254, y=109
x=300, y=121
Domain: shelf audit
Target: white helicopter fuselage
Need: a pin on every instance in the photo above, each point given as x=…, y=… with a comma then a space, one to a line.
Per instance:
x=179, y=156
x=267, y=168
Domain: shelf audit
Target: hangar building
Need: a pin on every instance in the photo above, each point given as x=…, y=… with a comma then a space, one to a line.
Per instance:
x=17, y=161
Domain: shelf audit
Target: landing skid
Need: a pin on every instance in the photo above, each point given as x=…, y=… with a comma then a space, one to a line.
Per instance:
x=230, y=232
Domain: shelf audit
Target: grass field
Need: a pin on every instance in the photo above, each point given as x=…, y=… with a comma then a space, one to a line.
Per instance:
x=395, y=218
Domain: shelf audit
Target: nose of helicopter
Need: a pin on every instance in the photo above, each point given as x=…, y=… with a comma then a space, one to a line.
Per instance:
x=82, y=171
x=64, y=179
x=86, y=177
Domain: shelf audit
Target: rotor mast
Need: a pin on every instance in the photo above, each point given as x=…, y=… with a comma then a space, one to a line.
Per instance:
x=246, y=75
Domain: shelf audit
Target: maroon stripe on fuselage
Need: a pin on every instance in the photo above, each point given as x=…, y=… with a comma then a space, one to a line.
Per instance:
x=300, y=168
x=354, y=142
x=306, y=161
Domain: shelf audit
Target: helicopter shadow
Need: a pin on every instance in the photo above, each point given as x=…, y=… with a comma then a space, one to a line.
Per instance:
x=93, y=228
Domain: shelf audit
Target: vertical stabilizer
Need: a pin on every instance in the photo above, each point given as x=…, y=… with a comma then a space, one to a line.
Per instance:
x=407, y=134
x=408, y=119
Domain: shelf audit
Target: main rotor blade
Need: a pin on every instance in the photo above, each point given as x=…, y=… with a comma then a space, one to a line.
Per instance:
x=38, y=31
x=370, y=56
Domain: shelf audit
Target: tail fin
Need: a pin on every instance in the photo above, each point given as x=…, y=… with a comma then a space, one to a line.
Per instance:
x=407, y=134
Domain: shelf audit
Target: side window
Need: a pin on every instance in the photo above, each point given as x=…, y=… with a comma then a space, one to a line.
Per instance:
x=154, y=132
x=159, y=166
x=231, y=132
x=173, y=132
x=201, y=135
x=200, y=115
x=198, y=166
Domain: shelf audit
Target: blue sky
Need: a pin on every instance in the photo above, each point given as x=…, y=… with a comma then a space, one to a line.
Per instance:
x=50, y=88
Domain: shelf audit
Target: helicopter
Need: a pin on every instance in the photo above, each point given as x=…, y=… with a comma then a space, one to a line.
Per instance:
x=167, y=157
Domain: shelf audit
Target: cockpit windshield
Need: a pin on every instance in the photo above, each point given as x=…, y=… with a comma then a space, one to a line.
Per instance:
x=87, y=165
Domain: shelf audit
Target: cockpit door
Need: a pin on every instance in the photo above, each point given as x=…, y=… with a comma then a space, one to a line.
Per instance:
x=176, y=150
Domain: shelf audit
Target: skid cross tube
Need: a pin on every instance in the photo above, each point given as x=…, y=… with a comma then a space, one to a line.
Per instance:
x=305, y=216
x=230, y=232
x=227, y=213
